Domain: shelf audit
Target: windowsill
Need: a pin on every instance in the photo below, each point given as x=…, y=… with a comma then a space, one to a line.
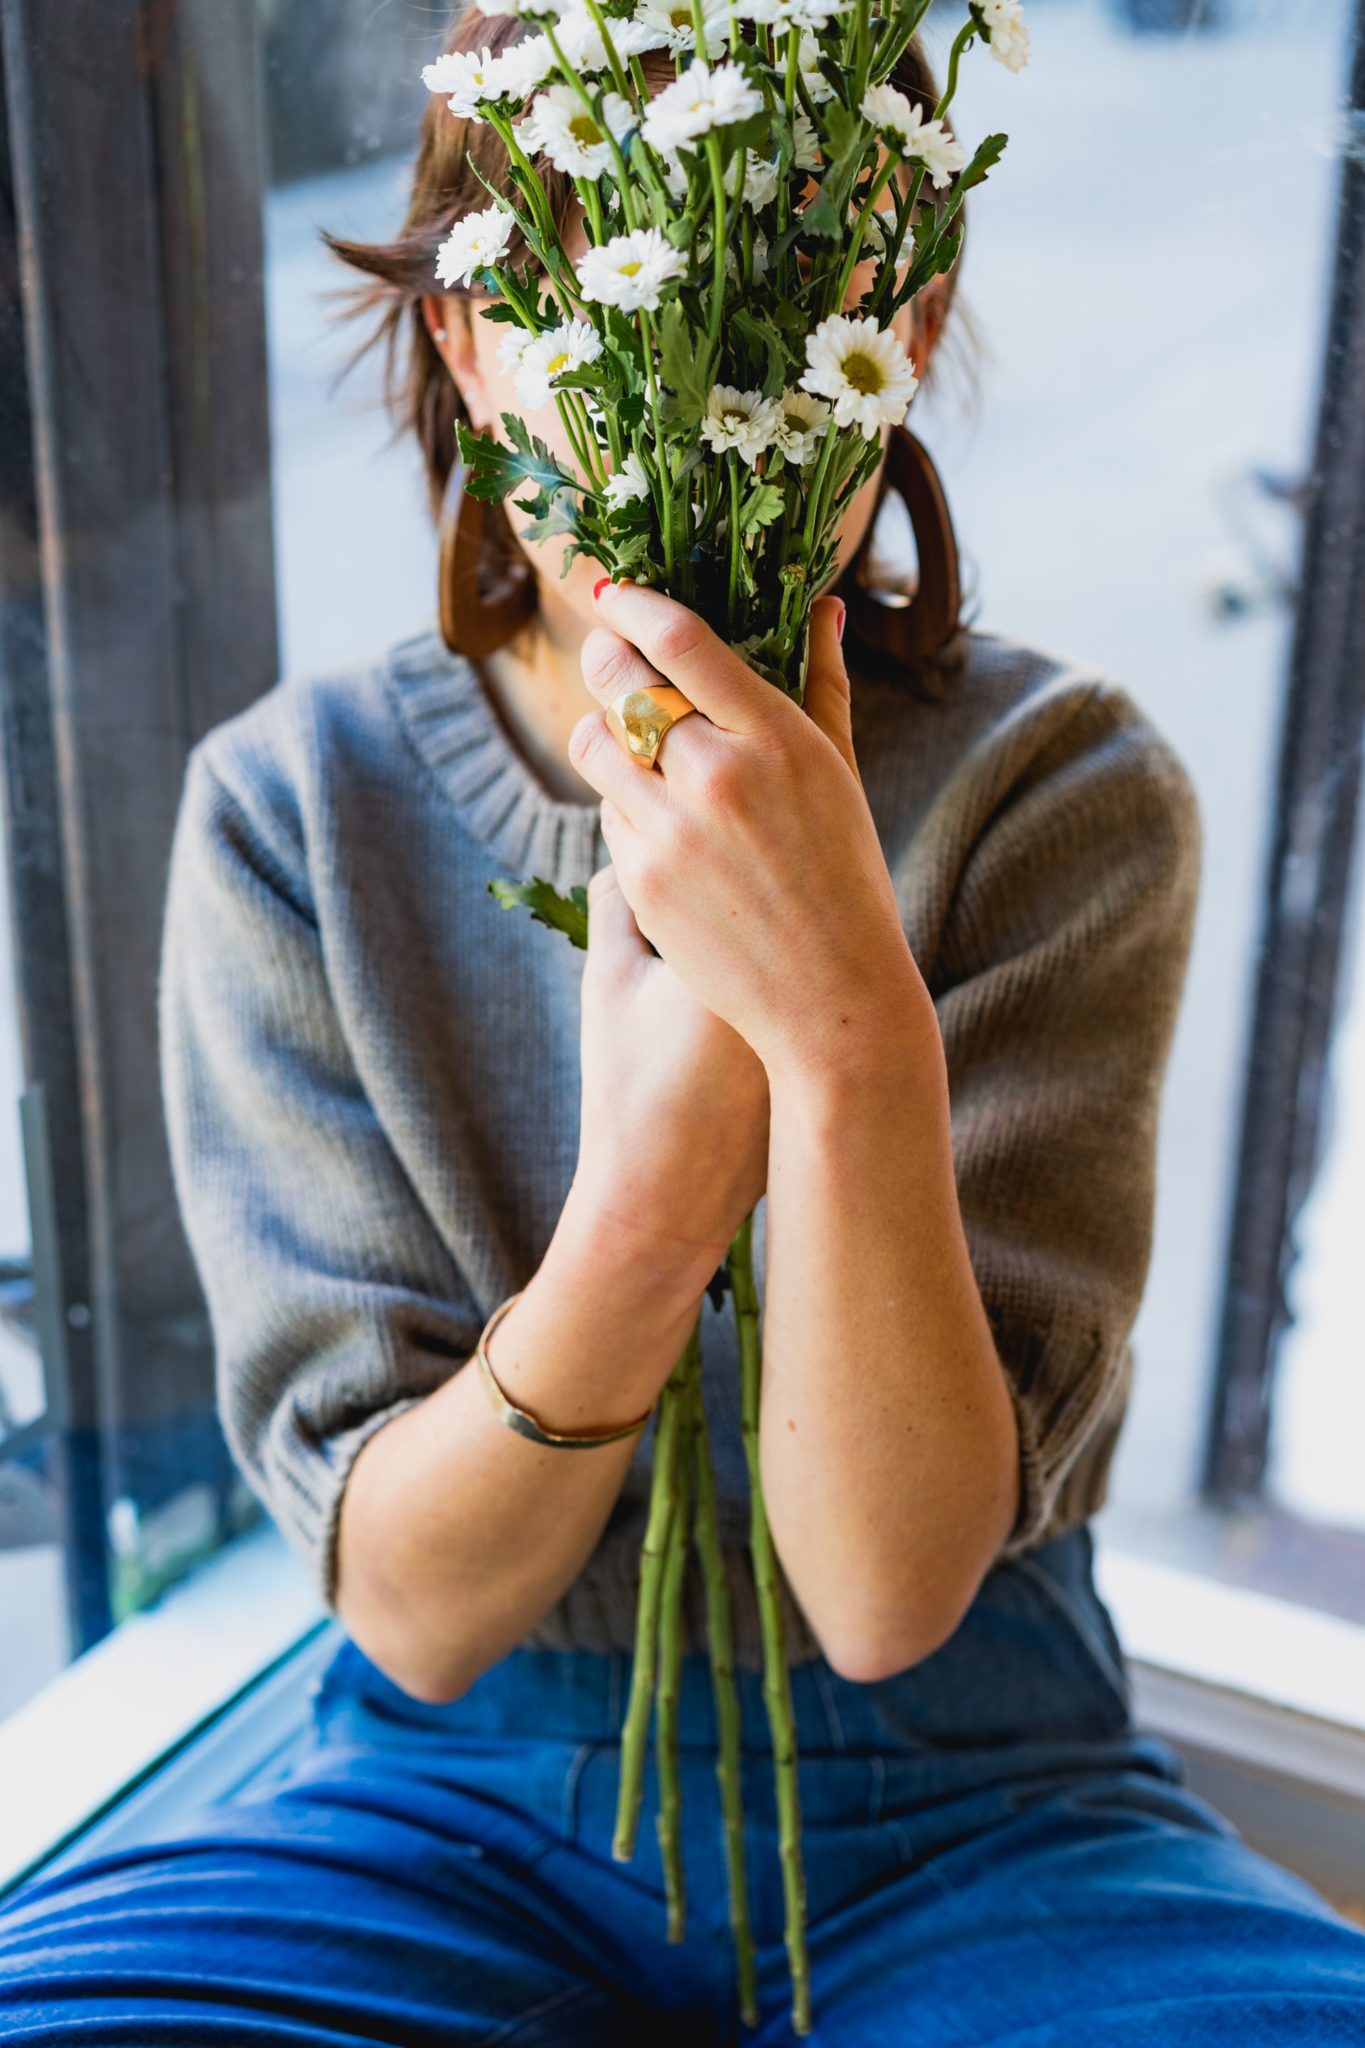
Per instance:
x=1266, y=1701
x=125, y=1707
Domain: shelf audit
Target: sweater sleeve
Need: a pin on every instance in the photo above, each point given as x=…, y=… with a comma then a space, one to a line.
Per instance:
x=334, y=1303
x=1070, y=930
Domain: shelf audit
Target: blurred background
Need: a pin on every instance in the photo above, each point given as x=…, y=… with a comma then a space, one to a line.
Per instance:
x=1163, y=274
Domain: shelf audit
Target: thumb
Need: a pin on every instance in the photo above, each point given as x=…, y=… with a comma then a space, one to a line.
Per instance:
x=827, y=686
x=612, y=930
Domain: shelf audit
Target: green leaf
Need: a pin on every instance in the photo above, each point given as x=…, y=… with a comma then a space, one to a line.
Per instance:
x=761, y=507
x=567, y=914
x=686, y=365
x=821, y=217
x=764, y=339
x=982, y=164
x=845, y=130
x=494, y=470
x=561, y=517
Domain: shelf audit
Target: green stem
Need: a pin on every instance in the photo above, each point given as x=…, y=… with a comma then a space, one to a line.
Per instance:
x=776, y=1676
x=668, y=1821
x=646, y=327
x=877, y=187
x=635, y=1730
x=576, y=83
x=729, y=1767
x=732, y=458
x=960, y=42
x=718, y=243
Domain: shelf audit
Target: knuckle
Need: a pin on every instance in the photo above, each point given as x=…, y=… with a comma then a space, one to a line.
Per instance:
x=603, y=655
x=586, y=738
x=678, y=637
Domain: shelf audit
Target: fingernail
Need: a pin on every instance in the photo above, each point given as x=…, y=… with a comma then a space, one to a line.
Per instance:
x=843, y=614
x=598, y=585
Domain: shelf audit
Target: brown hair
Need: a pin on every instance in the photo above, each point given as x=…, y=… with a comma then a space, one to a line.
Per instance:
x=421, y=393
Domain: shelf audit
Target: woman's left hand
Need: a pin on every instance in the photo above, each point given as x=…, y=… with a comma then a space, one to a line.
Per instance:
x=749, y=856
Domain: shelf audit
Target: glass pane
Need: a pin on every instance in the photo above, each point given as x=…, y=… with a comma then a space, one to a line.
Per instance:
x=356, y=546
x=1150, y=269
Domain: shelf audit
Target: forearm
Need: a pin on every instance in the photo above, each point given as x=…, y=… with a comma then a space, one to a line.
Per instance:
x=457, y=1534
x=888, y=1444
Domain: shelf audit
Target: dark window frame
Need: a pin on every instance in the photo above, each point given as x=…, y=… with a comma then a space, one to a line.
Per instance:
x=137, y=609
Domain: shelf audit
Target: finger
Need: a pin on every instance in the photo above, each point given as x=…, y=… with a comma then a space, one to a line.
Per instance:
x=685, y=651
x=636, y=789
x=827, y=696
x=612, y=931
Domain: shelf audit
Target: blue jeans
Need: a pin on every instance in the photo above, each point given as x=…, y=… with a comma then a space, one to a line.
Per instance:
x=992, y=1855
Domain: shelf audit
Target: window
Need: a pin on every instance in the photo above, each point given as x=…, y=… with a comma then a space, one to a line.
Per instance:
x=1162, y=476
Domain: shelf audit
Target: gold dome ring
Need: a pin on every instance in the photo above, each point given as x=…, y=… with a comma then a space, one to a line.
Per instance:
x=640, y=718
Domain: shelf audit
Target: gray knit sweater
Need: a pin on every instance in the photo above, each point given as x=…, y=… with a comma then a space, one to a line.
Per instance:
x=371, y=1078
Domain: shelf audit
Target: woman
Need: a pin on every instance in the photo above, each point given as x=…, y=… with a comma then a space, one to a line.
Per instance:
x=918, y=961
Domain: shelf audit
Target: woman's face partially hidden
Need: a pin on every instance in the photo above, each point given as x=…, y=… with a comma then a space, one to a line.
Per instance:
x=488, y=389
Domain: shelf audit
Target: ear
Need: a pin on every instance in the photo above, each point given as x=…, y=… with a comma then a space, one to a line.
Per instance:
x=452, y=335
x=827, y=687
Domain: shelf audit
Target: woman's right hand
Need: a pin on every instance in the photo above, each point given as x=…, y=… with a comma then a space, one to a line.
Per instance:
x=673, y=1140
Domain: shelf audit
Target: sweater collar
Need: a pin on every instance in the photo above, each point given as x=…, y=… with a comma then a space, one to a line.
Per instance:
x=502, y=802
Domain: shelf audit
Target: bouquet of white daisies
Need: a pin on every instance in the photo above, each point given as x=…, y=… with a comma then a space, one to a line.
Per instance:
x=724, y=402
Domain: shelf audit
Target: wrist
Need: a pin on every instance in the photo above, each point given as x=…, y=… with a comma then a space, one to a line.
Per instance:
x=650, y=1259
x=884, y=1035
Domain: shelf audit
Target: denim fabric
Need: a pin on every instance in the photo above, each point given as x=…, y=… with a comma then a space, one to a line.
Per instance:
x=993, y=1855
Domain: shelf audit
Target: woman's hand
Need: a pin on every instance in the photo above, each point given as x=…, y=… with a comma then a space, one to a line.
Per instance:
x=750, y=858
x=673, y=1139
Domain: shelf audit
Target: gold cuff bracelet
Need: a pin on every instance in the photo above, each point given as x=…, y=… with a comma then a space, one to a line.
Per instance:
x=517, y=1418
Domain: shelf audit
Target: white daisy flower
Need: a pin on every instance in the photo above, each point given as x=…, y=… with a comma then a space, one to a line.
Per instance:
x=631, y=270
x=511, y=342
x=808, y=156
x=700, y=100
x=627, y=482
x=863, y=368
x=469, y=80
x=526, y=65
x=566, y=347
x=800, y=423
x=743, y=420
x=904, y=128
x=1009, y=43
x=801, y=14
x=582, y=43
x=817, y=86
x=476, y=242
x=570, y=136
x=760, y=180
x=671, y=22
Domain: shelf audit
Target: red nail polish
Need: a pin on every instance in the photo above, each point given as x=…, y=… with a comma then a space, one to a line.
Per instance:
x=843, y=614
x=598, y=585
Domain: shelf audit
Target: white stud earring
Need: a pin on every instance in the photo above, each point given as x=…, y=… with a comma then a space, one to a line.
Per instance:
x=440, y=334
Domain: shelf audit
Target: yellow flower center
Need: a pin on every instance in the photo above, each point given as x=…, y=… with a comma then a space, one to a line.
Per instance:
x=557, y=363
x=585, y=130
x=632, y=268
x=863, y=373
